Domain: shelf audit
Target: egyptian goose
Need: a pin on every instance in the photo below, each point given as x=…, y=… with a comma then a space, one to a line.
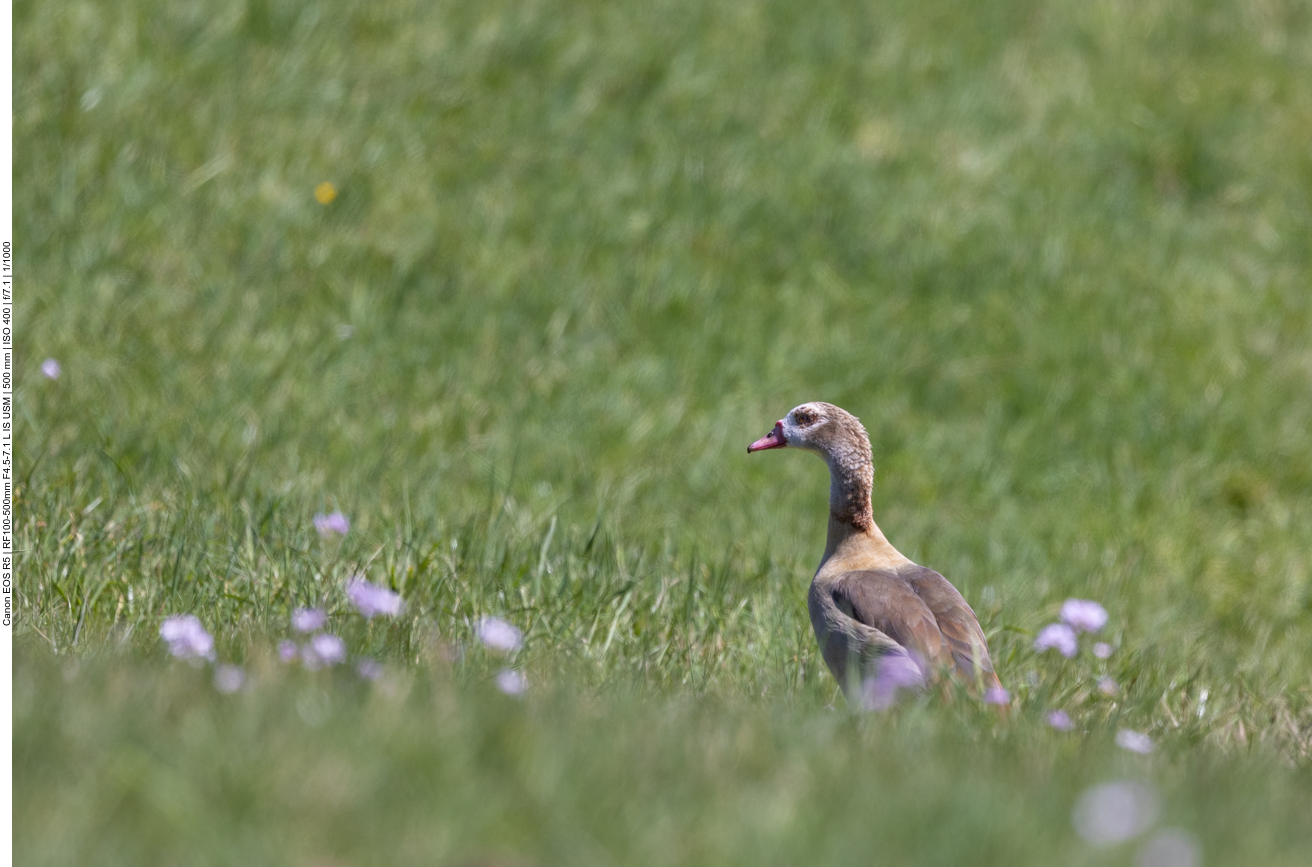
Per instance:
x=868, y=602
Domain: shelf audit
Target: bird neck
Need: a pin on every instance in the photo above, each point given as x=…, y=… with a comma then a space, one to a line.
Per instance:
x=851, y=518
x=851, y=475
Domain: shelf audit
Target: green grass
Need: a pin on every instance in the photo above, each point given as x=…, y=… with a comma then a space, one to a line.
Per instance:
x=1055, y=256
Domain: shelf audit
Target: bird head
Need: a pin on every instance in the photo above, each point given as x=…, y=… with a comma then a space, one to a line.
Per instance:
x=815, y=426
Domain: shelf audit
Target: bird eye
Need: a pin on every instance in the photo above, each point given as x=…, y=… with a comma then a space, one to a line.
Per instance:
x=804, y=417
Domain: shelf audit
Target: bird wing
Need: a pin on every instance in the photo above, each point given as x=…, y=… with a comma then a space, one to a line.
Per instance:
x=956, y=621
x=883, y=600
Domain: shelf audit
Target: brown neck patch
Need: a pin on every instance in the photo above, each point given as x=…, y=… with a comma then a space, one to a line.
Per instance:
x=846, y=449
x=863, y=522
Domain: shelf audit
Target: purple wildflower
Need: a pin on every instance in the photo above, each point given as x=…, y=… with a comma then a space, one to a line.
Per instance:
x=1171, y=847
x=370, y=599
x=51, y=368
x=324, y=651
x=229, y=678
x=369, y=669
x=996, y=695
x=308, y=619
x=1135, y=742
x=187, y=639
x=1102, y=650
x=498, y=635
x=1060, y=720
x=1115, y=812
x=332, y=524
x=1058, y=636
x=511, y=682
x=1107, y=686
x=287, y=650
x=894, y=673
x=1083, y=615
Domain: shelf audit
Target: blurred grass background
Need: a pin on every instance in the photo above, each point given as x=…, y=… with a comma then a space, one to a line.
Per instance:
x=1054, y=255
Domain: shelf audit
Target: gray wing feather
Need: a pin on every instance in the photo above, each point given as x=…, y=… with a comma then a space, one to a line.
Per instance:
x=957, y=622
x=920, y=610
x=883, y=600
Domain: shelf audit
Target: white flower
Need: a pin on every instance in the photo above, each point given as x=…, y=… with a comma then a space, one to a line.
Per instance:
x=1061, y=721
x=371, y=600
x=1135, y=742
x=1083, y=615
x=498, y=635
x=369, y=669
x=511, y=682
x=228, y=678
x=332, y=524
x=895, y=672
x=1115, y=812
x=1170, y=847
x=323, y=651
x=186, y=638
x=1057, y=636
x=308, y=619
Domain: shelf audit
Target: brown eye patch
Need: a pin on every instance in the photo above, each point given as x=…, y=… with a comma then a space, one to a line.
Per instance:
x=804, y=417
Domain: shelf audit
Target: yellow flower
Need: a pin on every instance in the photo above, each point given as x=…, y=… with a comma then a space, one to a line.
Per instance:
x=325, y=193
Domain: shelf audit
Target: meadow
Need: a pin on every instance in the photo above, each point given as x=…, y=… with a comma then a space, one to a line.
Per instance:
x=511, y=285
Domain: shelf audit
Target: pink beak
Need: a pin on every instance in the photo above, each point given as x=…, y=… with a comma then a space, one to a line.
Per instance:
x=773, y=440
